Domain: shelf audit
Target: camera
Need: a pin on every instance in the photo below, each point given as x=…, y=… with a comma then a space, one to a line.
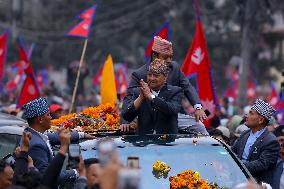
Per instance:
x=9, y=159
x=74, y=155
x=133, y=162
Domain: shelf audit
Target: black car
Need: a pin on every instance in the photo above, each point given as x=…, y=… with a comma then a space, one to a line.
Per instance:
x=212, y=158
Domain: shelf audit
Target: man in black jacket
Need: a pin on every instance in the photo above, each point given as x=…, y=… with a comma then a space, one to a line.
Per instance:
x=258, y=148
x=26, y=175
x=162, y=49
x=155, y=103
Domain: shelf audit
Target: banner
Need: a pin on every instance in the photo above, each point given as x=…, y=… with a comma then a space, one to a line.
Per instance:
x=108, y=88
x=197, y=65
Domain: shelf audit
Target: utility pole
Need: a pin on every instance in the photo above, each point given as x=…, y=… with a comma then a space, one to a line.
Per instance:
x=17, y=6
x=249, y=32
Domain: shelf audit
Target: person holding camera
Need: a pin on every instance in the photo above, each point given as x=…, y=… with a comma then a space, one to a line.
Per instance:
x=38, y=117
x=26, y=175
x=155, y=103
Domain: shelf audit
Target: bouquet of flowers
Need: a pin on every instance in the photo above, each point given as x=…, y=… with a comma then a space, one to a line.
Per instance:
x=101, y=118
x=189, y=179
x=160, y=169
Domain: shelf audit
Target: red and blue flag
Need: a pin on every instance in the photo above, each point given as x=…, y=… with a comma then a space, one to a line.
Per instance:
x=197, y=64
x=273, y=98
x=3, y=53
x=83, y=28
x=163, y=32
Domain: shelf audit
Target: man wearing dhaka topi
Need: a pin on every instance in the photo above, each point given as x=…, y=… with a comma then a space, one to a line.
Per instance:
x=163, y=49
x=155, y=103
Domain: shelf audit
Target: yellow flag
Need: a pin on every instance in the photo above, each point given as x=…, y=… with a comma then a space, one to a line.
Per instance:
x=108, y=88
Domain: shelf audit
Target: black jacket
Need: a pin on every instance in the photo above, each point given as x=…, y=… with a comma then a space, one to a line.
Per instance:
x=48, y=178
x=175, y=78
x=262, y=157
x=159, y=115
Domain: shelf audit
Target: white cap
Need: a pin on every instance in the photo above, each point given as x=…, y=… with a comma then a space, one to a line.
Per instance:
x=225, y=131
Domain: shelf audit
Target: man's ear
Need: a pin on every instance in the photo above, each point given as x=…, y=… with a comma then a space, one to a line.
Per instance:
x=38, y=119
x=262, y=121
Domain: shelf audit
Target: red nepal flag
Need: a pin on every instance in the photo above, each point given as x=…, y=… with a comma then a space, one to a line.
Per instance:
x=280, y=107
x=273, y=98
x=251, y=89
x=164, y=33
x=16, y=81
x=29, y=91
x=3, y=52
x=121, y=80
x=197, y=65
x=24, y=59
x=97, y=78
x=83, y=28
x=232, y=91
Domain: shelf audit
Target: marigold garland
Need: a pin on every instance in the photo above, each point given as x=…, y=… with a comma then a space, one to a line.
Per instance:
x=102, y=117
x=189, y=179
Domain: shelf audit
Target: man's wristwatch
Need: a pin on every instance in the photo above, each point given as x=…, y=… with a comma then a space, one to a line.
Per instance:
x=198, y=106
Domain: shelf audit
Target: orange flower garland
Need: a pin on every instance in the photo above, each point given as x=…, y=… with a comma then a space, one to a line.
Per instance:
x=62, y=119
x=102, y=117
x=189, y=179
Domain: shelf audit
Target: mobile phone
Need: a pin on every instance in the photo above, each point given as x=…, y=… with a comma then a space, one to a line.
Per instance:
x=133, y=162
x=106, y=147
x=129, y=179
x=9, y=159
x=74, y=151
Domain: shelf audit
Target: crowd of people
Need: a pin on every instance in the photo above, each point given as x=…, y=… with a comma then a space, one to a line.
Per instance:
x=154, y=104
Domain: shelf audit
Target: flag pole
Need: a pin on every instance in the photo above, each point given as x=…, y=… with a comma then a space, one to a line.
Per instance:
x=78, y=75
x=197, y=9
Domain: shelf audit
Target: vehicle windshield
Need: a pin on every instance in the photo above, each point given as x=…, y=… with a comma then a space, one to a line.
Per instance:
x=211, y=160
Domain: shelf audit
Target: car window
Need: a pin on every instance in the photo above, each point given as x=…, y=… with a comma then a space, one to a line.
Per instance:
x=213, y=162
x=8, y=143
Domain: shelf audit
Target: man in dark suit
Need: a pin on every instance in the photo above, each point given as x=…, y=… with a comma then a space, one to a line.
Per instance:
x=279, y=172
x=38, y=117
x=155, y=103
x=258, y=148
x=162, y=49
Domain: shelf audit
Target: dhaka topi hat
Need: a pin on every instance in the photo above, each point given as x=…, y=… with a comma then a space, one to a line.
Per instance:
x=158, y=66
x=35, y=108
x=263, y=108
x=162, y=46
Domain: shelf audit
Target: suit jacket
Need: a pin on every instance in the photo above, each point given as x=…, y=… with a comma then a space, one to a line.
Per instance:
x=262, y=157
x=159, y=115
x=277, y=174
x=175, y=78
x=42, y=156
x=49, y=178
